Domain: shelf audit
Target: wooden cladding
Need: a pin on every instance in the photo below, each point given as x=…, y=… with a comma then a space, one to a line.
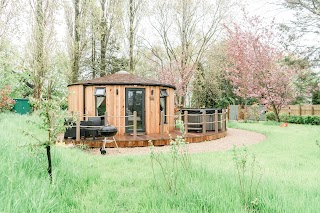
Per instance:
x=82, y=98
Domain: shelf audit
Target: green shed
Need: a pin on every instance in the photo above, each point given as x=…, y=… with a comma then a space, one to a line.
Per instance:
x=22, y=106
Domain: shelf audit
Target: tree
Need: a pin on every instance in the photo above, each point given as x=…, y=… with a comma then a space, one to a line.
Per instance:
x=103, y=30
x=76, y=16
x=9, y=11
x=257, y=69
x=76, y=44
x=109, y=14
x=305, y=27
x=187, y=28
x=206, y=86
x=210, y=88
x=134, y=16
x=41, y=42
x=305, y=81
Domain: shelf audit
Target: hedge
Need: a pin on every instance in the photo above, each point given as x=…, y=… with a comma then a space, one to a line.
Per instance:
x=296, y=119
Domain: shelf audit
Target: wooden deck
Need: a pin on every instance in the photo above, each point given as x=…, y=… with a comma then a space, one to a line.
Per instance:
x=143, y=140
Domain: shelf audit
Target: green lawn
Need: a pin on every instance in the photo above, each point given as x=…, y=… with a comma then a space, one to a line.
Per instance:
x=289, y=158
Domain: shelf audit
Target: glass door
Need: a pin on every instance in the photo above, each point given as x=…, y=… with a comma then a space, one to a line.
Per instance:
x=135, y=101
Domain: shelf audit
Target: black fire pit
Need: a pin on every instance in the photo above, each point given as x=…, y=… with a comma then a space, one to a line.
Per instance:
x=107, y=131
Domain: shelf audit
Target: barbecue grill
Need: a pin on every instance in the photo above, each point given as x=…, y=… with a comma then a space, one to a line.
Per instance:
x=107, y=131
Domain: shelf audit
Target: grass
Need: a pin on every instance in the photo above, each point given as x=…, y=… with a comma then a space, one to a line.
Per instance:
x=289, y=159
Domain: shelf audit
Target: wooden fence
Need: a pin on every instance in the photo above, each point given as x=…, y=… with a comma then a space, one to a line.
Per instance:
x=235, y=112
x=301, y=110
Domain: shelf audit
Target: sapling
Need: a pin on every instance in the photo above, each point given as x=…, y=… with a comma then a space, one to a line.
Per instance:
x=169, y=163
x=249, y=177
x=52, y=121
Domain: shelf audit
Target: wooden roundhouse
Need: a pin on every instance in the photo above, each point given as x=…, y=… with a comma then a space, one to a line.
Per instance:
x=120, y=95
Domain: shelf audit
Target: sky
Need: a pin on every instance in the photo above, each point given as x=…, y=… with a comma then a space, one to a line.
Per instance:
x=269, y=9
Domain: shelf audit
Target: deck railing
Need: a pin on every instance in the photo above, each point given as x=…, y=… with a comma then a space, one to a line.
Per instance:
x=78, y=121
x=180, y=119
x=199, y=126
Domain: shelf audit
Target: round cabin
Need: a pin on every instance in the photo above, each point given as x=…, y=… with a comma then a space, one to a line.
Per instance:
x=120, y=95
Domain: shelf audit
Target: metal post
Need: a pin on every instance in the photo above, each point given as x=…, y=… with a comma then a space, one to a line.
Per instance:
x=204, y=123
x=161, y=123
x=223, y=120
x=78, y=128
x=106, y=119
x=134, y=123
x=186, y=122
x=216, y=121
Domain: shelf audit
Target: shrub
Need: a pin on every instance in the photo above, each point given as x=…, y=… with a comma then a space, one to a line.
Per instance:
x=6, y=103
x=271, y=116
x=284, y=117
x=254, y=113
x=296, y=119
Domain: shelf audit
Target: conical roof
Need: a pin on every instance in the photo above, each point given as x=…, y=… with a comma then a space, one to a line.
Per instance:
x=123, y=78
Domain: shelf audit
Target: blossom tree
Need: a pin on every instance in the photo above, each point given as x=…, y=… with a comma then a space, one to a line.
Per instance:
x=257, y=69
x=180, y=78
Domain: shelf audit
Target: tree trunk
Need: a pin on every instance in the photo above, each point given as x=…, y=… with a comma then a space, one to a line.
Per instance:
x=276, y=112
x=103, y=41
x=131, y=37
x=76, y=48
x=93, y=54
x=38, y=65
x=103, y=51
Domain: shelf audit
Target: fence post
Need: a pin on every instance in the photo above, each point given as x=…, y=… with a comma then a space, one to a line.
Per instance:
x=289, y=111
x=161, y=123
x=223, y=120
x=185, y=122
x=204, y=123
x=106, y=123
x=299, y=110
x=78, y=128
x=134, y=123
x=312, y=110
x=216, y=121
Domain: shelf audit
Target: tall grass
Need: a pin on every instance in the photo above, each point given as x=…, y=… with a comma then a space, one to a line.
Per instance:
x=83, y=182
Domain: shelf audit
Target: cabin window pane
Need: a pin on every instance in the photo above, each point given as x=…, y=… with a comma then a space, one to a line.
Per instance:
x=100, y=105
x=163, y=103
x=100, y=92
x=163, y=93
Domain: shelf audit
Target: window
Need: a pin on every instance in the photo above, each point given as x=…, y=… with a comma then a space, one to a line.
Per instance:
x=100, y=98
x=163, y=103
x=100, y=92
x=163, y=93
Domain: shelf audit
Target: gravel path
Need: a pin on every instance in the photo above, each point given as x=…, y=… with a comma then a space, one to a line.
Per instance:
x=234, y=137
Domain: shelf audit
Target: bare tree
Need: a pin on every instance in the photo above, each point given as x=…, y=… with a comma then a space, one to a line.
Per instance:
x=187, y=28
x=76, y=45
x=8, y=13
x=304, y=29
x=76, y=15
x=109, y=15
x=41, y=42
x=134, y=15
